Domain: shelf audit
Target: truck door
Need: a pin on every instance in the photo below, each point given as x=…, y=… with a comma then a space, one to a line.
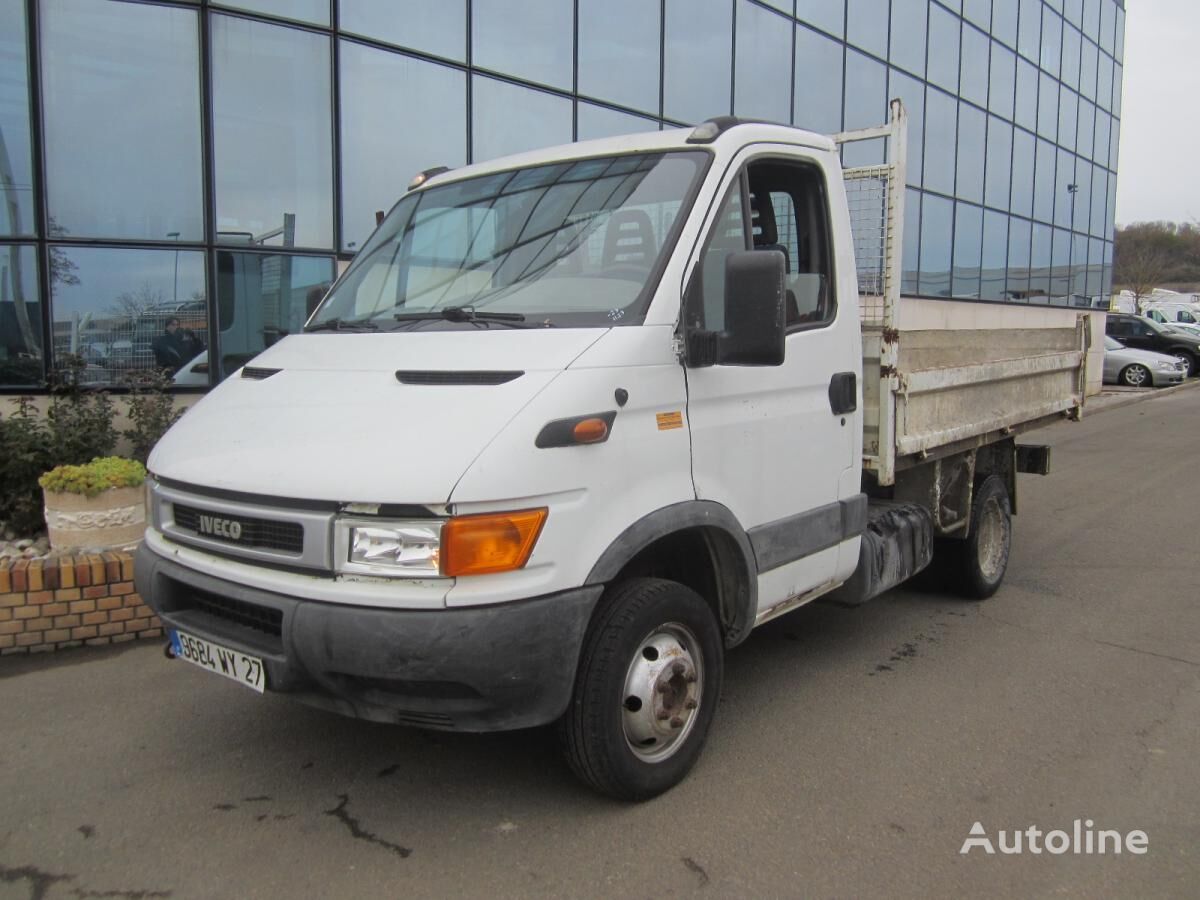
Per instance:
x=766, y=441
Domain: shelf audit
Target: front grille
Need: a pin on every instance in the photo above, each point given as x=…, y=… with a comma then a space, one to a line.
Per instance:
x=264, y=533
x=262, y=619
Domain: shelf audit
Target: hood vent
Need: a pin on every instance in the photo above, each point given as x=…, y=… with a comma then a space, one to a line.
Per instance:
x=258, y=373
x=456, y=378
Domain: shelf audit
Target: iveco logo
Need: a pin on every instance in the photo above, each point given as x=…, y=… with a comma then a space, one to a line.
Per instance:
x=226, y=528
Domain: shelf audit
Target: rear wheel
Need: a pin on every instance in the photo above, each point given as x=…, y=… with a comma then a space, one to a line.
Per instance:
x=974, y=568
x=646, y=691
x=1136, y=375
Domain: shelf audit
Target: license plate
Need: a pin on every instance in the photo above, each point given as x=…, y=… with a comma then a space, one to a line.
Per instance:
x=233, y=664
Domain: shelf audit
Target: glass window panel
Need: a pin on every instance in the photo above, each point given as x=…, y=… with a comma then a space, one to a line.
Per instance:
x=1086, y=131
x=1119, y=36
x=999, y=163
x=1108, y=12
x=696, y=69
x=1104, y=83
x=912, y=93
x=1068, y=118
x=1004, y=22
x=912, y=242
x=1022, y=172
x=1073, y=11
x=764, y=64
x=866, y=91
x=1040, y=258
x=262, y=297
x=937, y=232
x=972, y=129
x=618, y=52
x=1018, y=259
x=908, y=34
x=781, y=5
x=20, y=318
x=1104, y=129
x=979, y=12
x=1099, y=199
x=399, y=116
x=114, y=308
x=1095, y=262
x=1043, y=184
x=968, y=237
x=994, y=257
x=1060, y=266
x=509, y=119
x=866, y=25
x=1091, y=18
x=955, y=5
x=943, y=48
x=1003, y=81
x=1027, y=90
x=1088, y=58
x=973, y=83
x=1051, y=41
x=1029, y=37
x=1079, y=219
x=941, y=126
x=531, y=39
x=828, y=15
x=273, y=141
x=1118, y=82
x=1106, y=278
x=1047, y=107
x=1114, y=143
x=1072, y=40
x=16, y=180
x=818, y=82
x=315, y=11
x=599, y=122
x=121, y=84
x=1064, y=176
x=433, y=26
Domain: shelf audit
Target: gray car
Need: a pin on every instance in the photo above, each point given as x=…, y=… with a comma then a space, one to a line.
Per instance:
x=1139, y=368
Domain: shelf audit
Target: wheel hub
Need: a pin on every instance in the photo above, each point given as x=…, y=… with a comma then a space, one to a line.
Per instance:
x=992, y=538
x=663, y=687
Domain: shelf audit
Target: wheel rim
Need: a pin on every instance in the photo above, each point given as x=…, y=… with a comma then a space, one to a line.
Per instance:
x=1136, y=376
x=664, y=687
x=992, y=539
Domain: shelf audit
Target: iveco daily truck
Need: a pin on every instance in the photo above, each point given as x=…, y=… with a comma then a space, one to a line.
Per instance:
x=572, y=424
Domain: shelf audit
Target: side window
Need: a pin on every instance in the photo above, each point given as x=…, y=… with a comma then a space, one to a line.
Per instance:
x=789, y=214
x=1156, y=315
x=1116, y=327
x=1141, y=329
x=1185, y=316
x=728, y=236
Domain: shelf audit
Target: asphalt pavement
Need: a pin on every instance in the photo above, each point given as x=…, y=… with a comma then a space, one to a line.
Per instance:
x=853, y=752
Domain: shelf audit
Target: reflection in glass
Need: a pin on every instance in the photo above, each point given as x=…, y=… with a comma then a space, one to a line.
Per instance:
x=1114, y=139
x=273, y=154
x=764, y=64
x=968, y=235
x=912, y=242
x=818, y=82
x=999, y=163
x=1060, y=272
x=1091, y=19
x=1047, y=126
x=127, y=312
x=20, y=318
x=866, y=91
x=1068, y=118
x=1104, y=83
x=1078, y=270
x=1027, y=95
x=912, y=93
x=1099, y=200
x=1108, y=11
x=1106, y=278
x=600, y=122
x=1029, y=36
x=509, y=119
x=1118, y=81
x=314, y=11
x=1104, y=130
x=1004, y=22
x=262, y=298
x=1088, y=60
x=16, y=160
x=618, y=52
x=697, y=61
x=1095, y=265
x=1022, y=172
x=972, y=127
x=994, y=260
x=1003, y=81
x=433, y=26
x=908, y=34
x=979, y=12
x=1043, y=183
x=973, y=85
x=943, y=48
x=1119, y=36
x=1051, y=41
x=1018, y=259
x=1070, y=56
x=1086, y=128
x=1039, y=260
x=828, y=15
x=937, y=227
x=941, y=124
x=121, y=86
x=399, y=116
x=867, y=25
x=1064, y=177
x=531, y=39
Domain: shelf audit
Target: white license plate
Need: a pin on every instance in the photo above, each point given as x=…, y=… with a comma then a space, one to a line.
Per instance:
x=241, y=667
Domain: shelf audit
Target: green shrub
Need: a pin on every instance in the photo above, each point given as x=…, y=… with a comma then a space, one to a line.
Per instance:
x=24, y=455
x=95, y=477
x=151, y=411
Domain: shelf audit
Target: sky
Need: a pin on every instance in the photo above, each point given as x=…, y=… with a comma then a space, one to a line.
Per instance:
x=1157, y=175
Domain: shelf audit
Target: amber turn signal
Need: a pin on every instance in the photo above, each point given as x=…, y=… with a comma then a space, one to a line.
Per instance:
x=489, y=543
x=590, y=431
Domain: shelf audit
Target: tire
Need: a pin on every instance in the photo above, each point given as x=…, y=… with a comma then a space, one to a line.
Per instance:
x=647, y=688
x=1188, y=360
x=1136, y=375
x=974, y=568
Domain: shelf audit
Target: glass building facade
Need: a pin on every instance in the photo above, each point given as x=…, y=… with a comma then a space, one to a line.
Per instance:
x=181, y=179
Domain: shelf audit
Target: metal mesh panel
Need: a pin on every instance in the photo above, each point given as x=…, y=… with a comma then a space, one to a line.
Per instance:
x=868, y=198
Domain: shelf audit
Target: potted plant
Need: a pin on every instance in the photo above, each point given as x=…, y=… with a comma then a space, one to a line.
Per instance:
x=100, y=504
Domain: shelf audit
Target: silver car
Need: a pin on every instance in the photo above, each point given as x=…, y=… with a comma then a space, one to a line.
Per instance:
x=1139, y=368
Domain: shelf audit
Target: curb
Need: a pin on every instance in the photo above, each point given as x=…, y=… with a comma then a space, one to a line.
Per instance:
x=1128, y=399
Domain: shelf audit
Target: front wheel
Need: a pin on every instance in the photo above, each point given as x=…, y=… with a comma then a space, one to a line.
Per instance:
x=647, y=688
x=1189, y=362
x=1136, y=375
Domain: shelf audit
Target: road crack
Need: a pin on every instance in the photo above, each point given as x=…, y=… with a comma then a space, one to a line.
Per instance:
x=698, y=869
x=39, y=881
x=359, y=833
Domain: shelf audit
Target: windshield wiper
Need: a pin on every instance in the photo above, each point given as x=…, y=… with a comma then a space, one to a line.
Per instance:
x=336, y=324
x=470, y=314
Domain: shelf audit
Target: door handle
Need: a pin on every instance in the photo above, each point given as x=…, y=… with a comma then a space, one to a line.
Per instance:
x=843, y=393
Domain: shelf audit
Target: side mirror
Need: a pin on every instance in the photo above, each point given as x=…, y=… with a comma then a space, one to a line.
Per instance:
x=754, y=309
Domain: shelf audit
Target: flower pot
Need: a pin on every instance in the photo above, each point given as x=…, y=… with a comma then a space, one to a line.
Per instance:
x=113, y=518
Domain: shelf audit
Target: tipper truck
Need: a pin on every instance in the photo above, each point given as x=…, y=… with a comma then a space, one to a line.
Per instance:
x=573, y=423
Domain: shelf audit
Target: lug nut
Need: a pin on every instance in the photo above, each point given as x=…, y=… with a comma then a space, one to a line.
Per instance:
x=662, y=715
x=691, y=678
x=678, y=667
x=691, y=704
x=662, y=687
x=677, y=722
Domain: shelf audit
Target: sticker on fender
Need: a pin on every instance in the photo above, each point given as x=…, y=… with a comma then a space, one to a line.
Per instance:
x=233, y=664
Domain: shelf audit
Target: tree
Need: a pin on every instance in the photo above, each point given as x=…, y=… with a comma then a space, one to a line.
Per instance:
x=1142, y=269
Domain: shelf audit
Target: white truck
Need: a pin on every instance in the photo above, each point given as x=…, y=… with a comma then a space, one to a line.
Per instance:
x=572, y=424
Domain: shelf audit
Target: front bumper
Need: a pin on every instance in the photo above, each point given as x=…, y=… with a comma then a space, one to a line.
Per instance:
x=490, y=668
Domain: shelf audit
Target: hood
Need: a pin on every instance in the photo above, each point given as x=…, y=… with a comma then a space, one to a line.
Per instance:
x=334, y=422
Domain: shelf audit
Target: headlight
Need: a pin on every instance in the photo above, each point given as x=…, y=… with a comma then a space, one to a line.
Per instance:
x=1168, y=366
x=397, y=549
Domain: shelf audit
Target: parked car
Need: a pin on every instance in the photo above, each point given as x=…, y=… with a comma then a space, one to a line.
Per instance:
x=1174, y=314
x=1139, y=368
x=1141, y=333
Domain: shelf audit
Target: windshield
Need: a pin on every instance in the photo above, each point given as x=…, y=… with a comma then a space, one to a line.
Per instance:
x=577, y=243
x=1112, y=344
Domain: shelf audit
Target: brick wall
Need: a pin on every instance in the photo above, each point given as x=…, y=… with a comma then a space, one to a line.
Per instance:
x=70, y=601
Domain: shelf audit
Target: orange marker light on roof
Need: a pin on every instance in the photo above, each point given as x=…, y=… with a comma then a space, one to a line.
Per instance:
x=489, y=543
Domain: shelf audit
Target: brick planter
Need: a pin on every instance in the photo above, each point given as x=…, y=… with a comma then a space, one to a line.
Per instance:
x=71, y=601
